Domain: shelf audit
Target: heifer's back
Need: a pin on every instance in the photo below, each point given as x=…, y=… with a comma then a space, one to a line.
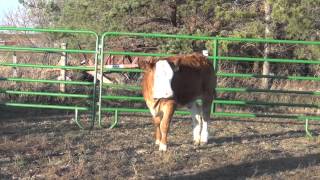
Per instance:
x=193, y=79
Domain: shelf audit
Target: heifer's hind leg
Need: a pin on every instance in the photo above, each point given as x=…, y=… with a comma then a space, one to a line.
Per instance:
x=200, y=117
x=197, y=122
x=206, y=110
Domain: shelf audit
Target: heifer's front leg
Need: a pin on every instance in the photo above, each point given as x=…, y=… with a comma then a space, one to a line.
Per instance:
x=168, y=110
x=157, y=131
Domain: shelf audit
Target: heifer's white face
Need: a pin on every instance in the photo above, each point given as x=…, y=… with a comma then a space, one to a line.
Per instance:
x=162, y=80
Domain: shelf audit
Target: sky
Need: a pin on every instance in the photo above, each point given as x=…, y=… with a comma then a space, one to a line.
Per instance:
x=7, y=5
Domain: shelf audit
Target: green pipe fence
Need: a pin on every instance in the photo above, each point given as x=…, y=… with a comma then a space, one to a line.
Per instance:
x=97, y=107
x=89, y=100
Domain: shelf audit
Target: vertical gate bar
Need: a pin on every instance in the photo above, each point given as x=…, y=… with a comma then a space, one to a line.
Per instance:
x=215, y=49
x=115, y=122
x=101, y=52
x=215, y=55
x=76, y=118
x=94, y=99
x=308, y=133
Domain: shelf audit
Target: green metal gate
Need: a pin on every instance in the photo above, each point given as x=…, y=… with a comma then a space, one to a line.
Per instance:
x=88, y=100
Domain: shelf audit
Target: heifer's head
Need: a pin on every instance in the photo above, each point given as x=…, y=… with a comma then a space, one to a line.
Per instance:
x=149, y=63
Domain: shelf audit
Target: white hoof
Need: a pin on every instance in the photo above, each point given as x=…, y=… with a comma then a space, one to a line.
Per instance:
x=157, y=142
x=196, y=142
x=162, y=147
x=203, y=142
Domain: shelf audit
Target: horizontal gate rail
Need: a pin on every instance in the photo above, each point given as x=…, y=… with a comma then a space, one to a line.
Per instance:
x=47, y=81
x=48, y=66
x=122, y=86
x=244, y=102
x=240, y=75
x=47, y=94
x=49, y=50
x=136, y=110
x=275, y=60
x=137, y=53
x=48, y=106
x=251, y=90
x=275, y=41
x=254, y=115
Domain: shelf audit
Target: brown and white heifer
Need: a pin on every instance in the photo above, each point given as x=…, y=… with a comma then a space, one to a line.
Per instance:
x=194, y=79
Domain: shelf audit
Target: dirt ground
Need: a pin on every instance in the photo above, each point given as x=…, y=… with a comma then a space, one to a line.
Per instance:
x=46, y=145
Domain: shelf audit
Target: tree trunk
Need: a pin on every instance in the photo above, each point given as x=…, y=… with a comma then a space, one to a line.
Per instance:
x=173, y=13
x=266, y=65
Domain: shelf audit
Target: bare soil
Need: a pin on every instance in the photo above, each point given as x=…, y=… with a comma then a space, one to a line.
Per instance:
x=48, y=145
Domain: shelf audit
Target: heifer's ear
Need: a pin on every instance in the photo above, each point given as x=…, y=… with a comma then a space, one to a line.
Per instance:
x=146, y=64
x=176, y=62
x=142, y=64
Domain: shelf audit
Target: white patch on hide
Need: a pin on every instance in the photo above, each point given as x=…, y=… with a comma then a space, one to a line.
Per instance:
x=162, y=80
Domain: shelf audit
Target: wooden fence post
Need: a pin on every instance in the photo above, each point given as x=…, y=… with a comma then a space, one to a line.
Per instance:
x=14, y=61
x=63, y=62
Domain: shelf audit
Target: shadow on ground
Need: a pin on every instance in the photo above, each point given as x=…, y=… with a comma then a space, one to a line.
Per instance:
x=254, y=169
